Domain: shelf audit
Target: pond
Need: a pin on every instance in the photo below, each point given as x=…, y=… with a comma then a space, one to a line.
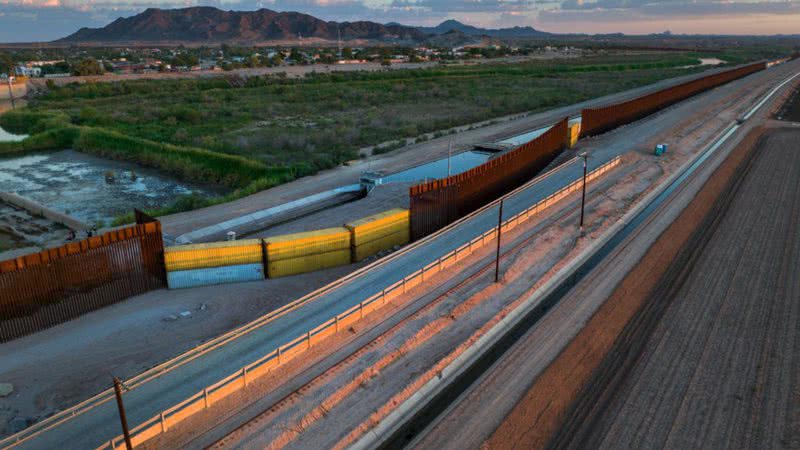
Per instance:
x=89, y=188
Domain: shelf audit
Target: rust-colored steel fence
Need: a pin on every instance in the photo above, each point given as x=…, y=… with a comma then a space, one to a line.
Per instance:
x=438, y=203
x=599, y=120
x=43, y=289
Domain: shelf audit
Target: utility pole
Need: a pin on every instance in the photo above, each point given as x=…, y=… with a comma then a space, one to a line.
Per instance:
x=585, y=156
x=339, y=32
x=11, y=91
x=122, y=418
x=499, y=231
x=449, y=153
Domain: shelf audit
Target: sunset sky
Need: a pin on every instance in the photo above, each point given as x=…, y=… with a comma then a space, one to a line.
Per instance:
x=41, y=20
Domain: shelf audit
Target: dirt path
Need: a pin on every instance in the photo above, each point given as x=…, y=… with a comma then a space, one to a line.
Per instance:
x=722, y=366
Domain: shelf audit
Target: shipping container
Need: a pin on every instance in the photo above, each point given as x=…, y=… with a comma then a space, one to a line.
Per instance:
x=306, y=252
x=308, y=243
x=180, y=279
x=309, y=263
x=379, y=232
x=574, y=134
x=216, y=254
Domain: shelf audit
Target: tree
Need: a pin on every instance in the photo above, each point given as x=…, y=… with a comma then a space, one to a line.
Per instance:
x=347, y=53
x=86, y=67
x=6, y=64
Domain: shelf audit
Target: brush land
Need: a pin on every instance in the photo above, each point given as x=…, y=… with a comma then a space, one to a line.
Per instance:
x=250, y=134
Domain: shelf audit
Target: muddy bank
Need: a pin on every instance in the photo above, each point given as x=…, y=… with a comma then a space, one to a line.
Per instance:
x=22, y=232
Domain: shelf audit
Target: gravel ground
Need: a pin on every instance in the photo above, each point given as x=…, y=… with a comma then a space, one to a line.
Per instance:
x=722, y=366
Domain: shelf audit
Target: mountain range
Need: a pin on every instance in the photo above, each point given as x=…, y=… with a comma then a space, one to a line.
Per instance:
x=454, y=25
x=213, y=25
x=209, y=24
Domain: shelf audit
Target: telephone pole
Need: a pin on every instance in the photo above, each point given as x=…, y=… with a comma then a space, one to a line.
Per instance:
x=585, y=156
x=499, y=232
x=122, y=418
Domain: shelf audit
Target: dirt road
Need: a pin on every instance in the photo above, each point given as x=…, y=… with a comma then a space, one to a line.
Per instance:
x=721, y=368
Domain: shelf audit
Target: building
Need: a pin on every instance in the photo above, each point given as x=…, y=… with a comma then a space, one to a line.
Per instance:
x=31, y=72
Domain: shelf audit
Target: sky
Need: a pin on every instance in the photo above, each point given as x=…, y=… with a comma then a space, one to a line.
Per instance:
x=44, y=20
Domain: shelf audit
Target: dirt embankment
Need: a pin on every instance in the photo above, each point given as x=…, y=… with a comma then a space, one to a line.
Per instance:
x=542, y=411
x=712, y=359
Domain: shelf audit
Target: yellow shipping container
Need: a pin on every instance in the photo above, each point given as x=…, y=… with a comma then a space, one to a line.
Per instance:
x=379, y=226
x=297, y=245
x=305, y=252
x=216, y=254
x=310, y=263
x=368, y=249
x=574, y=133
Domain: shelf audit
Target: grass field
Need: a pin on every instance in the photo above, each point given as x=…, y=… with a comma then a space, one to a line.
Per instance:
x=255, y=133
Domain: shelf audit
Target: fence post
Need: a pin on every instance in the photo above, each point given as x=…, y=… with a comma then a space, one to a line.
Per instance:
x=308, y=337
x=163, y=423
x=361, y=309
x=279, y=355
x=205, y=395
x=336, y=321
x=244, y=375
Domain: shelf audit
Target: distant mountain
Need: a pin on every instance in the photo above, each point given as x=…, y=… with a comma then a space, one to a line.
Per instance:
x=469, y=30
x=212, y=25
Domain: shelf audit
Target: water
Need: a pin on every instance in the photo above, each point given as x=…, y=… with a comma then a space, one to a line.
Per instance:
x=75, y=183
x=5, y=136
x=460, y=162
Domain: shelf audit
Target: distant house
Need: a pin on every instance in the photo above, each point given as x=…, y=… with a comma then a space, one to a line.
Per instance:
x=24, y=71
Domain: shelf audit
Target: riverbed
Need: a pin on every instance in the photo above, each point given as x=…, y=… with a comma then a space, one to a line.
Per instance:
x=91, y=189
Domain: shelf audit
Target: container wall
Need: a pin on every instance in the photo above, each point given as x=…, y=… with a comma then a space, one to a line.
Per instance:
x=292, y=254
x=367, y=249
x=218, y=254
x=298, y=245
x=439, y=203
x=380, y=232
x=574, y=134
x=215, y=275
x=308, y=263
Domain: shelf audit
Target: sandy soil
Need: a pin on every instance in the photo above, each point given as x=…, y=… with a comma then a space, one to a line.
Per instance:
x=720, y=369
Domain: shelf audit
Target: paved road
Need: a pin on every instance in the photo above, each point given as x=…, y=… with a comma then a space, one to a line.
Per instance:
x=411, y=156
x=721, y=367
x=100, y=424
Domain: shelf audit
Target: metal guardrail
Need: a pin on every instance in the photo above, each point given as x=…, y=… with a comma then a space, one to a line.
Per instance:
x=238, y=380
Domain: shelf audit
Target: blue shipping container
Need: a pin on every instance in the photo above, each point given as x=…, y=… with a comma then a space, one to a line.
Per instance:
x=215, y=275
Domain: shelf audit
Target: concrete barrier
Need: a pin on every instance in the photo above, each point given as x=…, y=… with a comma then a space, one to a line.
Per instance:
x=38, y=209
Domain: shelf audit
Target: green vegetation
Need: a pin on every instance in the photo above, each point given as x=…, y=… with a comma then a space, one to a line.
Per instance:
x=251, y=134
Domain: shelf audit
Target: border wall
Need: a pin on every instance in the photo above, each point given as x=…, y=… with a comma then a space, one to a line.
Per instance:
x=44, y=289
x=599, y=120
x=438, y=203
